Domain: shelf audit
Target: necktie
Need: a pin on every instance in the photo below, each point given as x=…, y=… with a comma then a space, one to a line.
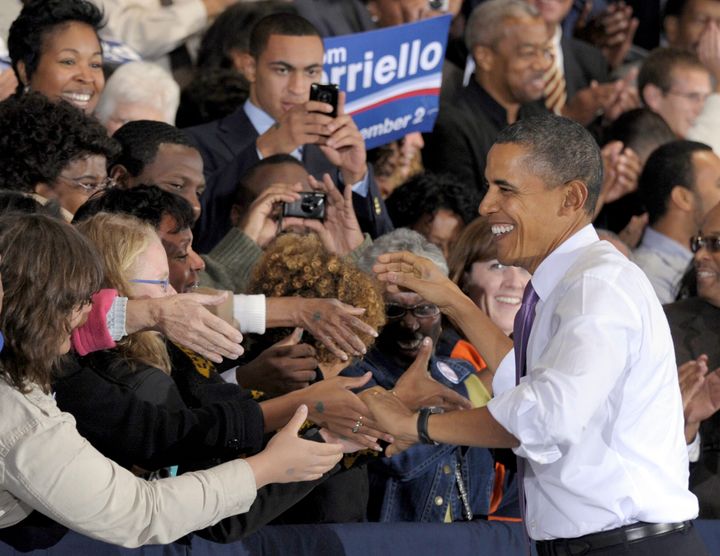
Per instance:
x=521, y=333
x=555, y=92
x=521, y=330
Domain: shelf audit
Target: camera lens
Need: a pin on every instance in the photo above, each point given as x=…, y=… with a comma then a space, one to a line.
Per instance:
x=310, y=205
x=324, y=96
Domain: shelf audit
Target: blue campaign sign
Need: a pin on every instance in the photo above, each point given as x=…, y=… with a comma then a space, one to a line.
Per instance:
x=391, y=77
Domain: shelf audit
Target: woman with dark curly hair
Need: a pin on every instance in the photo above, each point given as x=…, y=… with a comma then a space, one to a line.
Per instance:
x=438, y=206
x=300, y=265
x=53, y=150
x=55, y=50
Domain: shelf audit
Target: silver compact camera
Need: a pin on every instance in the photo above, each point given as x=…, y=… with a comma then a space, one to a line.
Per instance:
x=311, y=204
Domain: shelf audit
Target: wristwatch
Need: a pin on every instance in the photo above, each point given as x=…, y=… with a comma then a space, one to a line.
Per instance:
x=422, y=424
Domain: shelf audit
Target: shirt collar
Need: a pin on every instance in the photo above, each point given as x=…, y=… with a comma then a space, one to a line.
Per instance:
x=261, y=120
x=656, y=241
x=556, y=264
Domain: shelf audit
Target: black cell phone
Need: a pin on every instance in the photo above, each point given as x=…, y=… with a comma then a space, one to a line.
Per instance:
x=311, y=204
x=326, y=93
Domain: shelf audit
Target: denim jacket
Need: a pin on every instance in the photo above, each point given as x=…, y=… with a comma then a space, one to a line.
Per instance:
x=420, y=483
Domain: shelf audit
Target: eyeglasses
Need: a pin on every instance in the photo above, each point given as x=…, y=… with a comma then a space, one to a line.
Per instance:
x=164, y=284
x=90, y=187
x=424, y=311
x=711, y=243
x=695, y=98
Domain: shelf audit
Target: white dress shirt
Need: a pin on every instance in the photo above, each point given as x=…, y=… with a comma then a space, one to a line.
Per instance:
x=664, y=261
x=599, y=415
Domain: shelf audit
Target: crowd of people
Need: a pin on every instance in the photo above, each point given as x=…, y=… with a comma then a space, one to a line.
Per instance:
x=512, y=317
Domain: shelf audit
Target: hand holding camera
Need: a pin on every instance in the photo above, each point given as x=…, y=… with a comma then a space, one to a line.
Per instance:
x=313, y=123
x=260, y=222
x=338, y=228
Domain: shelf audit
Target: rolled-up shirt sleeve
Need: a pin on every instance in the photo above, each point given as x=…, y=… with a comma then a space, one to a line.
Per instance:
x=54, y=470
x=567, y=382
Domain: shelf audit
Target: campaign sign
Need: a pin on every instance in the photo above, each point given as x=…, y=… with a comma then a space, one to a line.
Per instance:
x=391, y=77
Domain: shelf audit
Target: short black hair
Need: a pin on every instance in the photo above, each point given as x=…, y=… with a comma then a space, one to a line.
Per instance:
x=39, y=18
x=426, y=193
x=244, y=194
x=560, y=150
x=40, y=138
x=231, y=31
x=657, y=67
x=212, y=94
x=149, y=203
x=640, y=129
x=668, y=166
x=279, y=24
x=140, y=140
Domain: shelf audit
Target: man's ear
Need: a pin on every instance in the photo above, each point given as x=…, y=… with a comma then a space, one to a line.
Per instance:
x=22, y=73
x=652, y=95
x=484, y=58
x=249, y=68
x=576, y=194
x=121, y=175
x=242, y=61
x=682, y=198
x=671, y=24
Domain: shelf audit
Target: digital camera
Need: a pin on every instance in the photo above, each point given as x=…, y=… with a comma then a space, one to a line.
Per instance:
x=311, y=204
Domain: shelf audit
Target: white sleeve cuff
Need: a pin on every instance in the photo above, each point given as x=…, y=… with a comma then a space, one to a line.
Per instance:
x=116, y=318
x=694, y=449
x=249, y=312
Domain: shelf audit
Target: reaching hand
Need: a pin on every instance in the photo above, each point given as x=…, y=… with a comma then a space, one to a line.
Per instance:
x=183, y=320
x=288, y=458
x=406, y=270
x=332, y=405
x=417, y=389
x=335, y=324
x=345, y=146
x=340, y=232
x=283, y=367
x=260, y=221
x=392, y=415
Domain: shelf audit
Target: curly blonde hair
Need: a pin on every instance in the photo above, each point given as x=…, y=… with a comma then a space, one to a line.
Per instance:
x=121, y=239
x=300, y=265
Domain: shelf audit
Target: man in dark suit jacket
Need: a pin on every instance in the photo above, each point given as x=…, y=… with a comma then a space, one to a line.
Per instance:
x=286, y=56
x=509, y=45
x=695, y=328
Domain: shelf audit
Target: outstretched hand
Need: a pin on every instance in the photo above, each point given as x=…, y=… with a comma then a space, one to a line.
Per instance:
x=411, y=272
x=285, y=366
x=288, y=458
x=184, y=320
x=335, y=407
x=417, y=389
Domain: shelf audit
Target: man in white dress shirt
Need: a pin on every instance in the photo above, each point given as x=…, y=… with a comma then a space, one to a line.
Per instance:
x=596, y=419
